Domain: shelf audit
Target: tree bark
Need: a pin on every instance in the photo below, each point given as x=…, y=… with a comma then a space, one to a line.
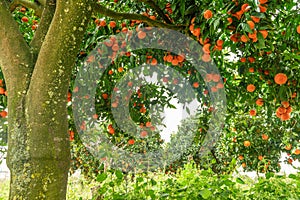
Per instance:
x=39, y=153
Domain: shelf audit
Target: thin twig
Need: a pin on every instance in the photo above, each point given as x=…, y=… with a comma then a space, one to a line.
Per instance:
x=131, y=16
x=28, y=4
x=157, y=9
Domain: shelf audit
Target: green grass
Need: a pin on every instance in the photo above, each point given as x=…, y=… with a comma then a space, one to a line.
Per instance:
x=4, y=189
x=77, y=187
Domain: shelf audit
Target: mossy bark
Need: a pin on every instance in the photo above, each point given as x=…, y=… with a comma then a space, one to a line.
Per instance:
x=37, y=82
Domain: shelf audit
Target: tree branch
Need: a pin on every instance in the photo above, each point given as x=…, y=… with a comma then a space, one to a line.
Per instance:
x=28, y=4
x=42, y=2
x=15, y=57
x=41, y=32
x=117, y=15
x=157, y=9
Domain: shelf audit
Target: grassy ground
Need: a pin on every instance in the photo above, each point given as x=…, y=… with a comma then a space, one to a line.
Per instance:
x=77, y=188
x=4, y=189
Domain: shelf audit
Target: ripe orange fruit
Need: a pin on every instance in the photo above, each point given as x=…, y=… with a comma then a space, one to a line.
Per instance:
x=216, y=78
x=220, y=43
x=263, y=1
x=298, y=29
x=214, y=89
x=252, y=35
x=241, y=157
x=264, y=33
x=244, y=7
x=112, y=24
x=207, y=14
x=110, y=72
x=251, y=24
x=95, y=116
x=220, y=85
x=244, y=165
x=251, y=88
x=281, y=110
x=285, y=116
x=111, y=130
x=102, y=23
x=251, y=69
x=259, y=102
x=264, y=137
x=143, y=133
x=71, y=134
x=234, y=38
x=243, y=60
x=104, y=96
x=206, y=57
x=196, y=32
x=289, y=109
x=120, y=69
x=229, y=19
x=152, y=17
x=288, y=147
x=251, y=59
x=252, y=112
x=285, y=104
x=297, y=151
x=175, y=61
x=262, y=8
x=3, y=114
x=280, y=78
x=24, y=19
x=131, y=141
x=2, y=90
x=255, y=19
x=244, y=38
x=260, y=157
x=196, y=85
x=115, y=47
x=141, y=35
x=206, y=48
x=148, y=124
x=153, y=61
x=247, y=143
x=33, y=27
x=114, y=104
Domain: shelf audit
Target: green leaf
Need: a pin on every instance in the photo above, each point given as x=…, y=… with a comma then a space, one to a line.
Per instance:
x=119, y=174
x=101, y=177
x=269, y=175
x=205, y=193
x=261, y=41
x=239, y=180
x=190, y=10
x=246, y=27
x=182, y=8
x=293, y=176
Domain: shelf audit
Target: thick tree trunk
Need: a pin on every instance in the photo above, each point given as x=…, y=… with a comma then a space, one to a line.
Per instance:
x=39, y=152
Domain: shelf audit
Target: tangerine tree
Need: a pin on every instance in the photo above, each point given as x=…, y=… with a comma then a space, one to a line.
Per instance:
x=254, y=44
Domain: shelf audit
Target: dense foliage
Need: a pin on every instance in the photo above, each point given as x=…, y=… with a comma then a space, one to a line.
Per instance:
x=254, y=44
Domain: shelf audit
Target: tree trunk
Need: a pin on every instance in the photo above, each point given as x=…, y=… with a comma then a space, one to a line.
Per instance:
x=37, y=82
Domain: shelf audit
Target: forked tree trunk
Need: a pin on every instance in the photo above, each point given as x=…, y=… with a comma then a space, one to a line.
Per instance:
x=37, y=79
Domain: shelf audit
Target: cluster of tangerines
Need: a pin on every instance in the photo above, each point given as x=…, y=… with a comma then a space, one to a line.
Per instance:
x=196, y=31
x=143, y=132
x=283, y=112
x=247, y=143
x=25, y=19
x=3, y=113
x=236, y=37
